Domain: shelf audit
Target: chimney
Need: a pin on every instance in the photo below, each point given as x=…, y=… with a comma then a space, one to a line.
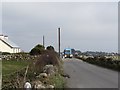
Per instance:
x=6, y=37
x=1, y=36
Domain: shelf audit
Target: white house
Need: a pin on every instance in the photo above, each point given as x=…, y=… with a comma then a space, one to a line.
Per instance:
x=8, y=46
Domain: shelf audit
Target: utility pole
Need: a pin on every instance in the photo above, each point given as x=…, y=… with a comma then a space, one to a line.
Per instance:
x=43, y=41
x=59, y=40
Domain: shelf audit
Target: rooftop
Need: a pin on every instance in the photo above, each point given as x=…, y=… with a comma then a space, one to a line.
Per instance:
x=8, y=42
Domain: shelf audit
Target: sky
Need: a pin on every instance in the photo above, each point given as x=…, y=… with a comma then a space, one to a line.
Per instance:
x=85, y=26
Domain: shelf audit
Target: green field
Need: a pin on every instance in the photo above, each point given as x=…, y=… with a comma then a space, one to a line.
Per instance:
x=9, y=67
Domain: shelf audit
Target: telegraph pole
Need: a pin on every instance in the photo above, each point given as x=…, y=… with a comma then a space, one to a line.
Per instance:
x=43, y=41
x=59, y=41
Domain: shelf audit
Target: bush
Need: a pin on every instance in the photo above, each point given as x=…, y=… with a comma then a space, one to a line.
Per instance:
x=48, y=58
x=51, y=48
x=37, y=50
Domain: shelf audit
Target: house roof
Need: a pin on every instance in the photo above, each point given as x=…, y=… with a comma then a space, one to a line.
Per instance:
x=9, y=43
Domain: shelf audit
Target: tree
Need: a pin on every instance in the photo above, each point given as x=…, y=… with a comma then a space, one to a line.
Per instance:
x=51, y=48
x=38, y=49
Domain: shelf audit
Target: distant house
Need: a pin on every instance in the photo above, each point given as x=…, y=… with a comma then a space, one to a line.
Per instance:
x=8, y=46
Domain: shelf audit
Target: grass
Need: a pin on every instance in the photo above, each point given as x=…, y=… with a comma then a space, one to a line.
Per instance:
x=12, y=66
x=57, y=80
x=10, y=71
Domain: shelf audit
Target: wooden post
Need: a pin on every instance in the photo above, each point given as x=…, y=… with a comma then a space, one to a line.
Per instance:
x=43, y=41
x=59, y=41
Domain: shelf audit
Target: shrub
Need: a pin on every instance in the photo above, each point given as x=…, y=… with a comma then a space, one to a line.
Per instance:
x=51, y=48
x=48, y=58
x=37, y=50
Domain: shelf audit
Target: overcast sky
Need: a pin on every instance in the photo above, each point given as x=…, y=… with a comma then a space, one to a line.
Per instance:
x=85, y=26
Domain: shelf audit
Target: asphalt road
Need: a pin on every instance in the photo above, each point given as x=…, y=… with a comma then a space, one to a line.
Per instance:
x=84, y=75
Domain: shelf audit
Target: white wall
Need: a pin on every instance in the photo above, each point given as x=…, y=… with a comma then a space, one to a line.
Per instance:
x=6, y=48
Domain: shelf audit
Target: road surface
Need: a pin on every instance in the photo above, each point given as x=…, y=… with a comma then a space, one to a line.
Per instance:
x=84, y=75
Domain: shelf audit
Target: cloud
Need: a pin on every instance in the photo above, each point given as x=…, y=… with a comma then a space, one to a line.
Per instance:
x=84, y=26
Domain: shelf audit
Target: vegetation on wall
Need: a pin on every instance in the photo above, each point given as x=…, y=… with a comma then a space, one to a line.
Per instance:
x=104, y=62
x=38, y=49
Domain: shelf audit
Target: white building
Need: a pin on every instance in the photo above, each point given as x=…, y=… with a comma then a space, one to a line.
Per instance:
x=8, y=46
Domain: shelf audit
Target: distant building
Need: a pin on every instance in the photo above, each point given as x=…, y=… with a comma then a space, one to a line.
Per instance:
x=8, y=46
